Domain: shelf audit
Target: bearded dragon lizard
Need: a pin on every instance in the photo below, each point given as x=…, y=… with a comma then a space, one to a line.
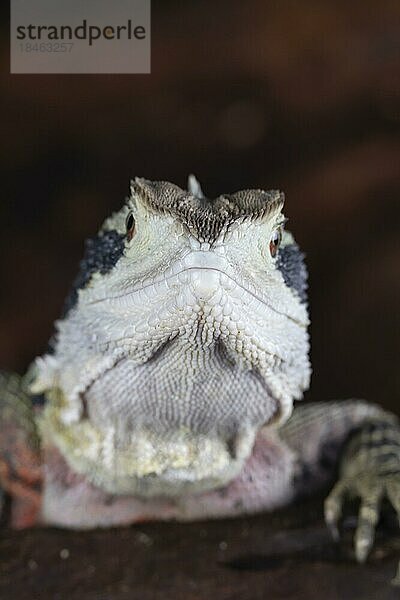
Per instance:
x=167, y=391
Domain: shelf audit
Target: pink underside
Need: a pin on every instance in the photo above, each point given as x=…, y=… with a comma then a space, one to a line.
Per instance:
x=69, y=500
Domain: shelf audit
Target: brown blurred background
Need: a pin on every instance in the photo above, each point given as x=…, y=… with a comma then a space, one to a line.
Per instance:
x=301, y=96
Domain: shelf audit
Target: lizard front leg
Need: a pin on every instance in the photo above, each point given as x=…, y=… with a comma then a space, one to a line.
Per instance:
x=370, y=471
x=366, y=439
x=20, y=458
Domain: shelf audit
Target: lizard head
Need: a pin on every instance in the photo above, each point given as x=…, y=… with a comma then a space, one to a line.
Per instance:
x=187, y=312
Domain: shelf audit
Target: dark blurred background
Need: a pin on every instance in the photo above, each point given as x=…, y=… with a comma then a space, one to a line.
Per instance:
x=301, y=96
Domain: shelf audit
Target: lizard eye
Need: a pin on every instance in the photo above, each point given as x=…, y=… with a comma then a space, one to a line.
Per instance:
x=130, y=226
x=275, y=241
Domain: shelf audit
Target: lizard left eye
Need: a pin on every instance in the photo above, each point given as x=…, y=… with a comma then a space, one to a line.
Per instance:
x=130, y=226
x=275, y=241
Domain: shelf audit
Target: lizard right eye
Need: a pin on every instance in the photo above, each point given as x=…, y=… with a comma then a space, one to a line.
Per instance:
x=275, y=241
x=130, y=226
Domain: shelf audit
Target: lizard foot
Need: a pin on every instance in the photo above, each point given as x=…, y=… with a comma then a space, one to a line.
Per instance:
x=370, y=471
x=20, y=465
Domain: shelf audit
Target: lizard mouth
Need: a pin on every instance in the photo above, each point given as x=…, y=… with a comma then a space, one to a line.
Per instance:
x=205, y=273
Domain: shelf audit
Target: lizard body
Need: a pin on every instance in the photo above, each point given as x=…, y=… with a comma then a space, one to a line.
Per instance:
x=170, y=382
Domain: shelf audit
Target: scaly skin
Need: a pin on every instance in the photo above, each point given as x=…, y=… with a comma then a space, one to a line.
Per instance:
x=170, y=385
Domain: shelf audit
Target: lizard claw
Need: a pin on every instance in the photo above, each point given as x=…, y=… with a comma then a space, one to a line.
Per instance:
x=333, y=509
x=368, y=517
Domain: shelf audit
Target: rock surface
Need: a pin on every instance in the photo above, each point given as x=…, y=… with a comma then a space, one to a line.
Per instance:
x=285, y=555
